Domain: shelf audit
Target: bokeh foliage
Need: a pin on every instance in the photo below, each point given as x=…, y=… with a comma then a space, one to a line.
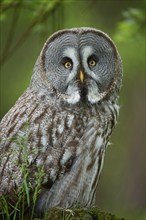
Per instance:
x=26, y=24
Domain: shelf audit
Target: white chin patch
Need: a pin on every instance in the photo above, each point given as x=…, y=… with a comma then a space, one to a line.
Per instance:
x=73, y=95
x=94, y=95
x=74, y=98
x=94, y=98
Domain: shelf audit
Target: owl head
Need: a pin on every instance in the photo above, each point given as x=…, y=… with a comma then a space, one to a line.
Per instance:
x=79, y=65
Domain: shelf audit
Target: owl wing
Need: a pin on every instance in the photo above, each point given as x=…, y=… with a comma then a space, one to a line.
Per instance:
x=15, y=135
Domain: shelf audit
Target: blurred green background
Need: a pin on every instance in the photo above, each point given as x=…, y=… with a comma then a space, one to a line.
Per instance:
x=24, y=27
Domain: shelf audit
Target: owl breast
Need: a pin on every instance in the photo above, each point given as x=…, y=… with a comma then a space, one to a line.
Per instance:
x=75, y=149
x=80, y=166
x=67, y=143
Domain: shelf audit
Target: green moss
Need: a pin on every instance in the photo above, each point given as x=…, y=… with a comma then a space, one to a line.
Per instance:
x=53, y=213
x=79, y=214
x=103, y=215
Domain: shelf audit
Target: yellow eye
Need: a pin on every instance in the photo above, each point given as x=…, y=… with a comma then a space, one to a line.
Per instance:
x=92, y=63
x=67, y=65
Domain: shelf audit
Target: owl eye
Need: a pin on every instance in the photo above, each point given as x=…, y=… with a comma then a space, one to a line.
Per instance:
x=92, y=61
x=67, y=64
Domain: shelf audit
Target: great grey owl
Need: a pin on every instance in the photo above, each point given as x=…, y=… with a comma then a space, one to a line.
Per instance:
x=55, y=136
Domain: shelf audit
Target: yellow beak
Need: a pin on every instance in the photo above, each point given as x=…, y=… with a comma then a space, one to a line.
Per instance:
x=81, y=75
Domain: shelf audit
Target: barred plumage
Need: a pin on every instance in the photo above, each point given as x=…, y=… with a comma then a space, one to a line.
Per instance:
x=62, y=129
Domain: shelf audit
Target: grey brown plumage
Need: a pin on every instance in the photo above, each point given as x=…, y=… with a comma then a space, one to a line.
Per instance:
x=64, y=123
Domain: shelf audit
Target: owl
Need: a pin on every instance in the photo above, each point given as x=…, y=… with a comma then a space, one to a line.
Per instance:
x=54, y=138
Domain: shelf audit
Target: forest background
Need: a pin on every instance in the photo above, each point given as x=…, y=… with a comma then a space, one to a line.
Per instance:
x=24, y=27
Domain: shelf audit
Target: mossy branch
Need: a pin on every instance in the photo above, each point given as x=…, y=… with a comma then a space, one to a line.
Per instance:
x=79, y=214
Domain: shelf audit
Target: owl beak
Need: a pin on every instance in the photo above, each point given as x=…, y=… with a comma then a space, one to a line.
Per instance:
x=81, y=75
